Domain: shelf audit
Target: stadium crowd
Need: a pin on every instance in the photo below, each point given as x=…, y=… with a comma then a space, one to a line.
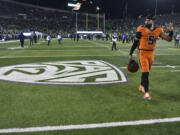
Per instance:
x=17, y=18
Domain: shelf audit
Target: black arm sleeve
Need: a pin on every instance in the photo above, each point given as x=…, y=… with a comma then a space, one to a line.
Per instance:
x=170, y=34
x=134, y=46
x=136, y=43
x=138, y=35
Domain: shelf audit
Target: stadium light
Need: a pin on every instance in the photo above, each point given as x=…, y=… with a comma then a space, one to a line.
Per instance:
x=27, y=33
x=76, y=6
x=72, y=5
x=97, y=8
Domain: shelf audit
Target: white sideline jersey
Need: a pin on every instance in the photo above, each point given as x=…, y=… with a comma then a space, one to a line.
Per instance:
x=114, y=38
x=178, y=37
x=48, y=38
x=59, y=37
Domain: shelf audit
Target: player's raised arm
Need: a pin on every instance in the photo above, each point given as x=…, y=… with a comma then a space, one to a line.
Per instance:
x=170, y=36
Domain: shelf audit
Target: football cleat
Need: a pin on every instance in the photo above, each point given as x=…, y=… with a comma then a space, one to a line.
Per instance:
x=147, y=96
x=132, y=66
x=141, y=89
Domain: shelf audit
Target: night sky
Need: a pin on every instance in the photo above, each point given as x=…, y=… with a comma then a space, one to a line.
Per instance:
x=116, y=8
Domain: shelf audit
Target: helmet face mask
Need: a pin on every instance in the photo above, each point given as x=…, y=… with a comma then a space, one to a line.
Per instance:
x=132, y=66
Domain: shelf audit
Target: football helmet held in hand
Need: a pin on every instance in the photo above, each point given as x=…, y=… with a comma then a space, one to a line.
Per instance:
x=132, y=66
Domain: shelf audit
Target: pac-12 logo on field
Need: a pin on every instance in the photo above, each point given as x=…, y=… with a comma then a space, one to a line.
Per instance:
x=81, y=72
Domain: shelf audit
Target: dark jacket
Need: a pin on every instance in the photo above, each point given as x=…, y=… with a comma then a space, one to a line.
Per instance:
x=21, y=37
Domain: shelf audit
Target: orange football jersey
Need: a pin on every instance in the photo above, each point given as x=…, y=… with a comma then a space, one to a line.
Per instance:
x=149, y=37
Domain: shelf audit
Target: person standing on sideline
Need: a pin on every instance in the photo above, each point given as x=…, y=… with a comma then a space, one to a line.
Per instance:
x=120, y=37
x=59, y=38
x=31, y=39
x=114, y=40
x=77, y=38
x=48, y=38
x=145, y=40
x=21, y=38
x=74, y=36
x=35, y=37
x=177, y=38
x=123, y=38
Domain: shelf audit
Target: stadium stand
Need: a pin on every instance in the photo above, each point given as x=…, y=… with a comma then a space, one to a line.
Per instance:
x=17, y=17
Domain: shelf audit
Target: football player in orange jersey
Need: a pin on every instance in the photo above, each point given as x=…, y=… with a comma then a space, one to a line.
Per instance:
x=145, y=40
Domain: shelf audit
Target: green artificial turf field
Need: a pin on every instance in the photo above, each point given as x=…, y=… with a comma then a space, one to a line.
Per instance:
x=34, y=105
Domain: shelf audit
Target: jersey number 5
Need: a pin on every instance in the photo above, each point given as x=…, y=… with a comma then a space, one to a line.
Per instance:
x=151, y=39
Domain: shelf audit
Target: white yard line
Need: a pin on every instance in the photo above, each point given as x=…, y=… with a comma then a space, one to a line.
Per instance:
x=12, y=41
x=26, y=46
x=14, y=48
x=90, y=126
